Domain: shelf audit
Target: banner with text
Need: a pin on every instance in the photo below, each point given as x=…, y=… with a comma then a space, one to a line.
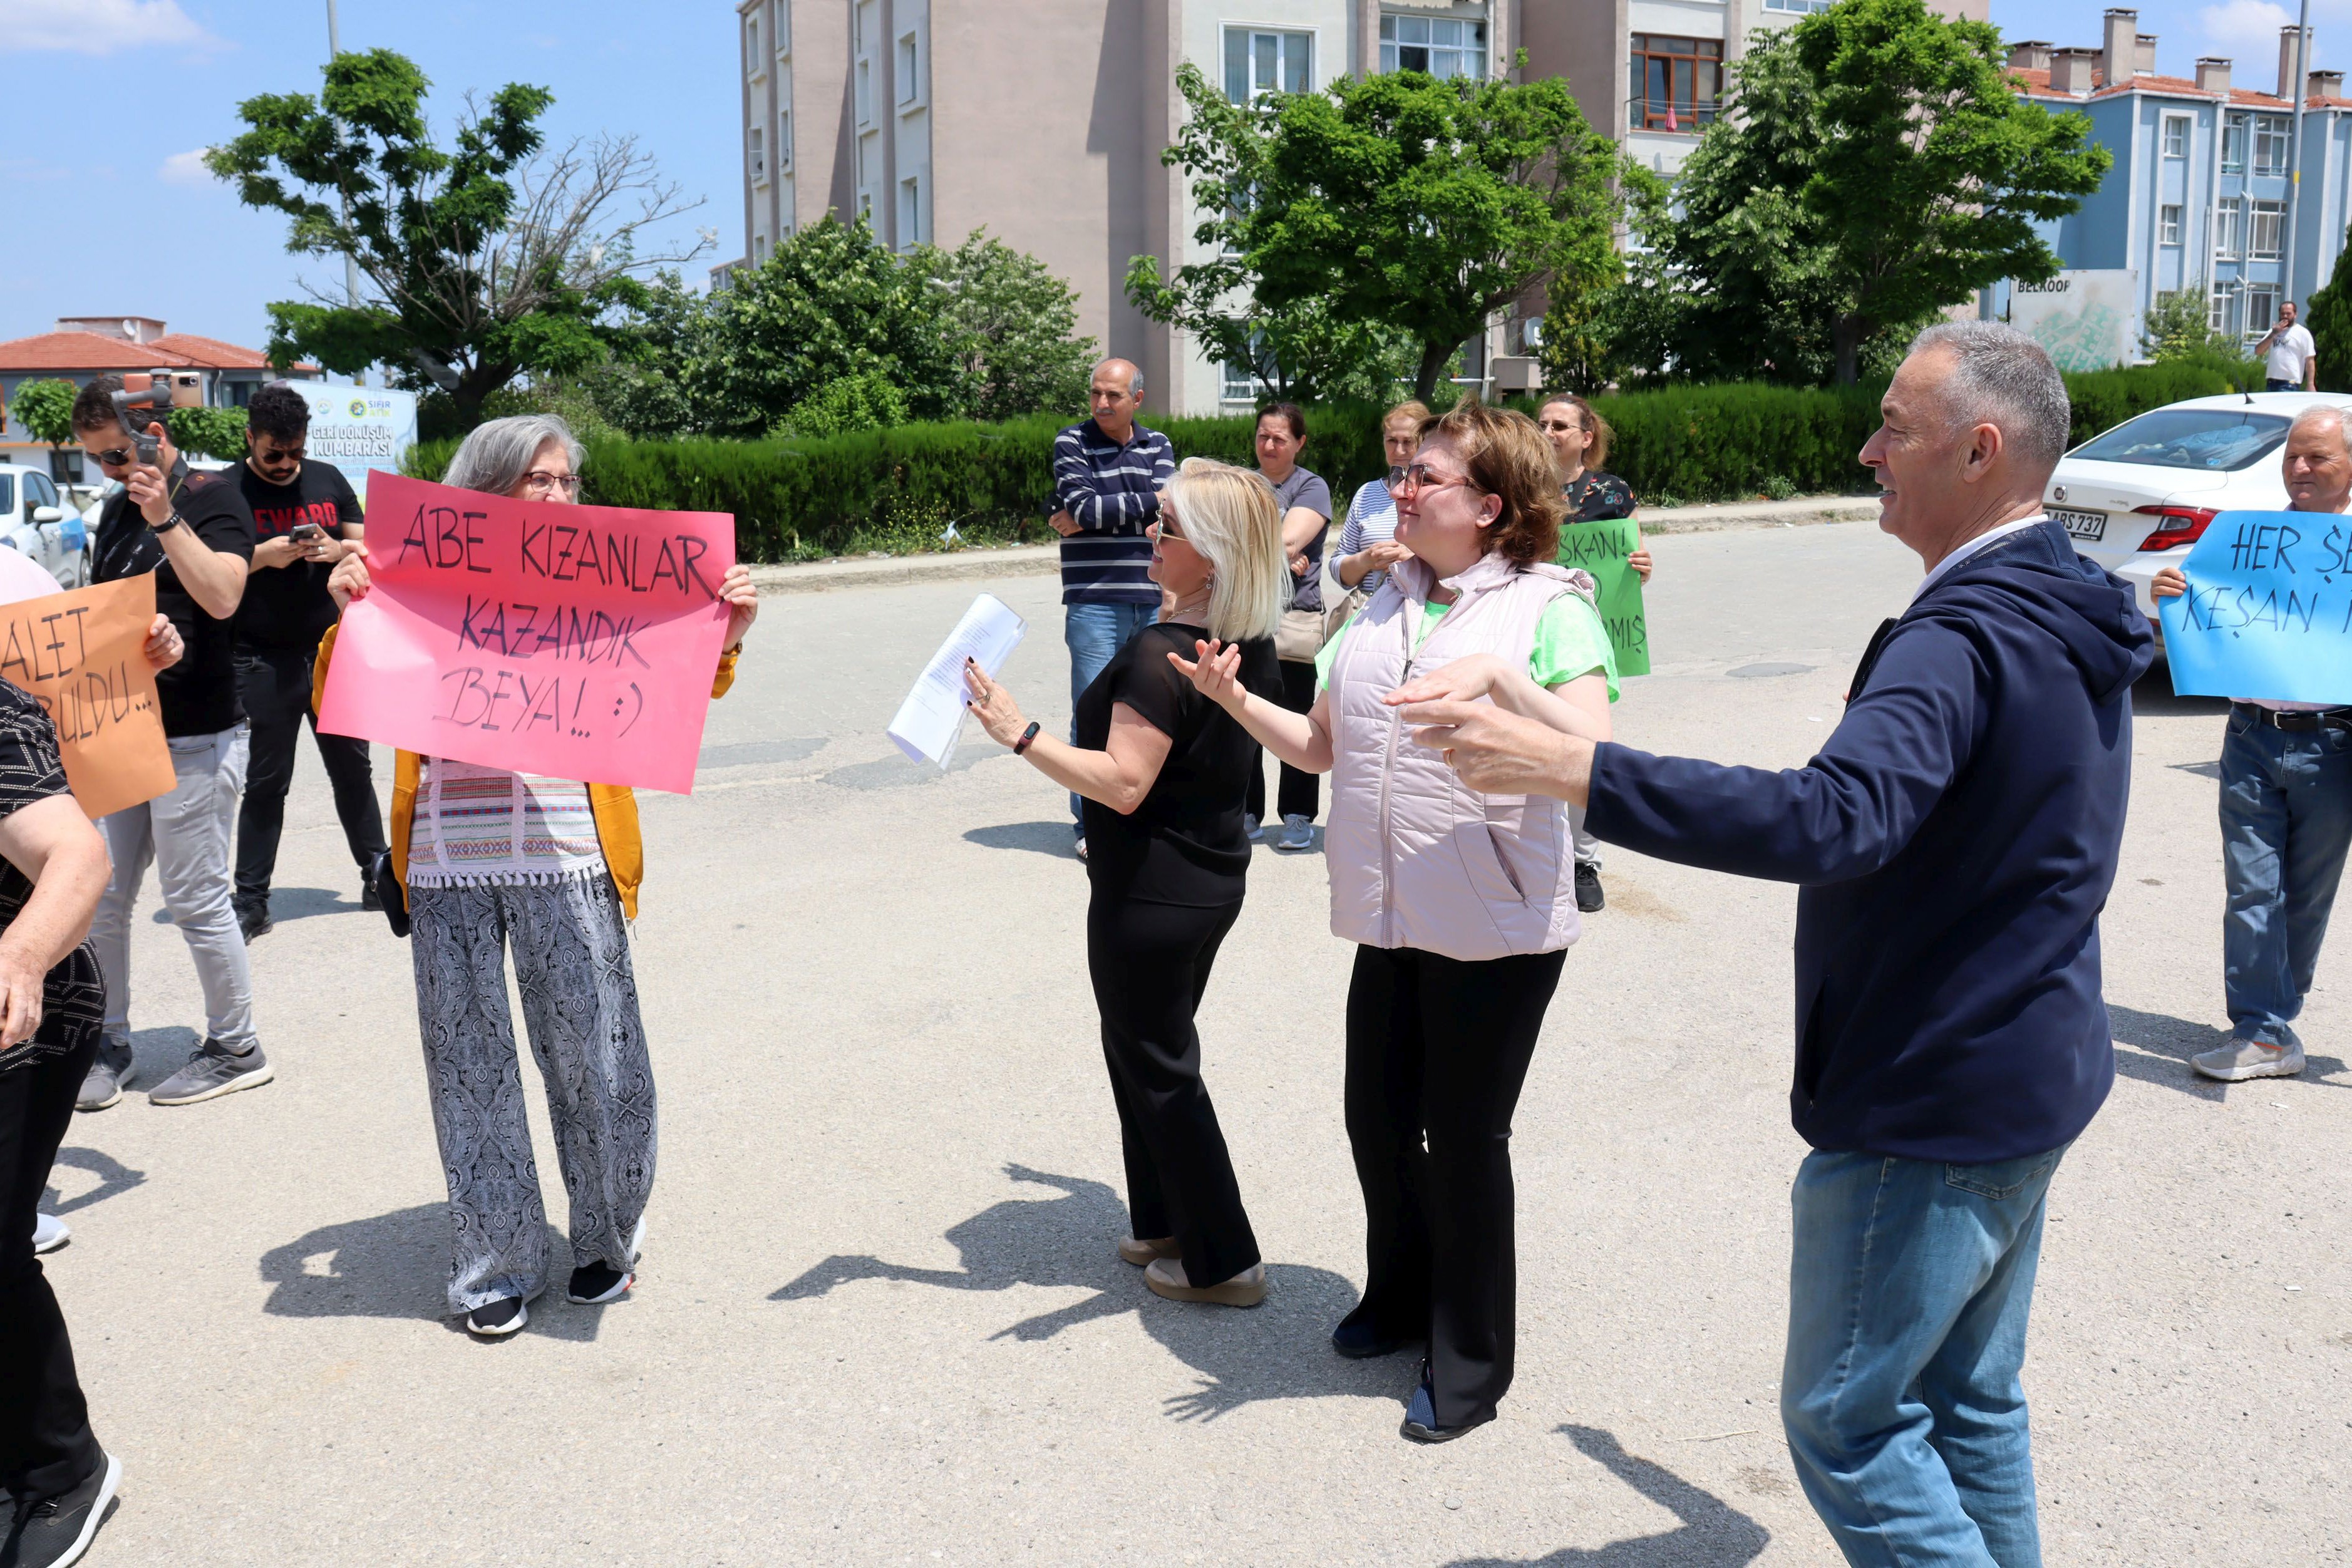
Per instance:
x=83, y=657
x=1603, y=549
x=575, y=641
x=2268, y=611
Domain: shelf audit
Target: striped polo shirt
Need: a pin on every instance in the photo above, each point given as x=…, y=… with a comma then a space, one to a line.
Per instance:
x=1112, y=491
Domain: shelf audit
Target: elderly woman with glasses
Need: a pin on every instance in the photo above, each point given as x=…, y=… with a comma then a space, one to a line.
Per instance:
x=492, y=862
x=1462, y=905
x=1161, y=771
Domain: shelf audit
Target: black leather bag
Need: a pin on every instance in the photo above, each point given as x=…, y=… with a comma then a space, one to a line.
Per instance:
x=389, y=892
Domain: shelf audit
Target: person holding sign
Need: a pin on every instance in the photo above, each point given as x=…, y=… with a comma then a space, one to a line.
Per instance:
x=1162, y=773
x=2286, y=812
x=1462, y=905
x=194, y=533
x=1580, y=445
x=490, y=860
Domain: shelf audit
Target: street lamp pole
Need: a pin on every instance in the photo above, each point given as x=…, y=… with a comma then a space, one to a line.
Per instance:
x=342, y=201
x=2294, y=148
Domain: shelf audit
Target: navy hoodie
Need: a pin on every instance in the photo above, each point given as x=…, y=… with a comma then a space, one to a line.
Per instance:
x=1955, y=841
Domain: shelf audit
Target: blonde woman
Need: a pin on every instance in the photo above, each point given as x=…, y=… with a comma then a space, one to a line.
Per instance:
x=1161, y=771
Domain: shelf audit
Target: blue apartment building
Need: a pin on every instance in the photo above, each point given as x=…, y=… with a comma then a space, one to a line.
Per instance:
x=2197, y=196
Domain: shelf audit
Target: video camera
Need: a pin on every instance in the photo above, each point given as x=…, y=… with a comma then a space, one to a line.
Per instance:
x=163, y=391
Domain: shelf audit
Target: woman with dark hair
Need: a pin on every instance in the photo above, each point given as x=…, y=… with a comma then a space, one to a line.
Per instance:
x=1305, y=503
x=489, y=861
x=1580, y=444
x=1462, y=905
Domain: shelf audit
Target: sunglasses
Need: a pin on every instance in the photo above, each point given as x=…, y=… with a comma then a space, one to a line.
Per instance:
x=114, y=457
x=1166, y=530
x=1558, y=424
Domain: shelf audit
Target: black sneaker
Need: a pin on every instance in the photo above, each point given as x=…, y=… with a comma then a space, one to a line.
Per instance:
x=370, y=900
x=254, y=920
x=1588, y=888
x=56, y=1531
x=598, y=1283
x=1420, y=1424
x=496, y=1319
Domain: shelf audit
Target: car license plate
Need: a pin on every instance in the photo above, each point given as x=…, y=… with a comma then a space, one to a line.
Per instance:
x=2088, y=525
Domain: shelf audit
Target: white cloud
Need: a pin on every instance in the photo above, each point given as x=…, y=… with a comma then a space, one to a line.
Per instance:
x=186, y=169
x=2247, y=31
x=98, y=26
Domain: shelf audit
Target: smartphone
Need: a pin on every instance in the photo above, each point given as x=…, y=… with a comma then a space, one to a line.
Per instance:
x=306, y=534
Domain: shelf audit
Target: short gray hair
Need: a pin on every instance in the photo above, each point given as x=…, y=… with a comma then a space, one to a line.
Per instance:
x=2002, y=378
x=2328, y=411
x=495, y=455
x=1135, y=383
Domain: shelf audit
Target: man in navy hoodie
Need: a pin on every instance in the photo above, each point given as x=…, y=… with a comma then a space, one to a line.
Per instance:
x=1955, y=840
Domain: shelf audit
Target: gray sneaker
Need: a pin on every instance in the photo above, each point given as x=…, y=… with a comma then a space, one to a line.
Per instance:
x=1298, y=832
x=212, y=1072
x=103, y=1084
x=2243, y=1059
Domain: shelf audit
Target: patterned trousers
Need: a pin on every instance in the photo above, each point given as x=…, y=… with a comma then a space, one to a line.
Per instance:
x=579, y=1005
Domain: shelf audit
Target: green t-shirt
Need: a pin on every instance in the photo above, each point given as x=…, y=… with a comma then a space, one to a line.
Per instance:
x=1571, y=640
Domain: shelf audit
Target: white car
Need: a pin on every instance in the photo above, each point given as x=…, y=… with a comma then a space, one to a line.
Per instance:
x=2136, y=497
x=35, y=522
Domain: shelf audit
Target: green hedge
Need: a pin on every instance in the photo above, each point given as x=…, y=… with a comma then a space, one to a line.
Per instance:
x=898, y=490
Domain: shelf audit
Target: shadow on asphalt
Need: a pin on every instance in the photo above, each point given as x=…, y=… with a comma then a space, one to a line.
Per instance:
x=301, y=903
x=1278, y=1350
x=397, y=1265
x=1053, y=839
x=2155, y=1047
x=113, y=1177
x=1713, y=1534
x=157, y=1054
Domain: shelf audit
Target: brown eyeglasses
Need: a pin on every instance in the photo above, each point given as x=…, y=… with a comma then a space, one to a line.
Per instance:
x=1419, y=477
x=541, y=480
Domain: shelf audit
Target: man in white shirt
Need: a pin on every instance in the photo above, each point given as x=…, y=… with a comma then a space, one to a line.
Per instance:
x=2290, y=359
x=2286, y=812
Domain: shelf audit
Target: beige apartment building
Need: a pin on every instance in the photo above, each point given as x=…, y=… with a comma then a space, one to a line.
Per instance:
x=1042, y=120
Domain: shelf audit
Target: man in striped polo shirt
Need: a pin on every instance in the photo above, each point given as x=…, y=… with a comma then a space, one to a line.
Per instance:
x=1107, y=476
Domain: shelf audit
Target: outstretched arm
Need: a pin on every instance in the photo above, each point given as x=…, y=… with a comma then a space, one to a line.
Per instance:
x=1302, y=739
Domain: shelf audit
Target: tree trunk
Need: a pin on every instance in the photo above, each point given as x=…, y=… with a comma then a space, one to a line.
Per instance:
x=1432, y=360
x=1847, y=337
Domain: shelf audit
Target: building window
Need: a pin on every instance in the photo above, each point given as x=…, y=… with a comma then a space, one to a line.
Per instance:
x=2270, y=217
x=1241, y=382
x=2228, y=228
x=65, y=467
x=2175, y=136
x=784, y=140
x=2270, y=143
x=2221, y=316
x=752, y=43
x=759, y=248
x=783, y=28
x=759, y=158
x=2233, y=145
x=1441, y=48
x=865, y=91
x=2261, y=310
x=910, y=212
x=1674, y=82
x=1803, y=7
x=2168, y=222
x=910, y=82
x=1259, y=62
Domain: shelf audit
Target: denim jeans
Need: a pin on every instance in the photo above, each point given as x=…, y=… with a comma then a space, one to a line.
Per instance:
x=2286, y=819
x=186, y=832
x=1908, y=1290
x=1095, y=631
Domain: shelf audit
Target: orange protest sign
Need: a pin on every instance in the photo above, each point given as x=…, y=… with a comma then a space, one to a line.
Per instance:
x=83, y=657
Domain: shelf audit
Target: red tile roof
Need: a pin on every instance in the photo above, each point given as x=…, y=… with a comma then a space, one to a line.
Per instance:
x=95, y=351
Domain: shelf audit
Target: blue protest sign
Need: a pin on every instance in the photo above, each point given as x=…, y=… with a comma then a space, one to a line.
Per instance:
x=2268, y=611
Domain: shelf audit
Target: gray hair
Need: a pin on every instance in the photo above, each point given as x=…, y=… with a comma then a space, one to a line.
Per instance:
x=495, y=455
x=2329, y=412
x=1135, y=383
x=2002, y=378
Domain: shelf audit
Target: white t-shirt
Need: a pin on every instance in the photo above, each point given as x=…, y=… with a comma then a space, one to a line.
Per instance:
x=2290, y=351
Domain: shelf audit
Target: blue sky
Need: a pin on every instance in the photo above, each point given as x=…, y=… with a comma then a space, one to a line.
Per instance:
x=136, y=228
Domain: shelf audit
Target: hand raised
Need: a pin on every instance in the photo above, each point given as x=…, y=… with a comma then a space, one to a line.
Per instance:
x=992, y=706
x=1216, y=674
x=1465, y=680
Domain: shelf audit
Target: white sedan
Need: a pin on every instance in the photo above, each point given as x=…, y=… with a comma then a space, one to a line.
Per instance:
x=2138, y=497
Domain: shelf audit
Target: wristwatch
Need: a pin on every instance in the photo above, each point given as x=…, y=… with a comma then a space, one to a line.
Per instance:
x=168, y=525
x=1028, y=735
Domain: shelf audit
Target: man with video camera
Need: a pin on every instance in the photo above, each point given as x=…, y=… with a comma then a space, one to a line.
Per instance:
x=303, y=513
x=195, y=533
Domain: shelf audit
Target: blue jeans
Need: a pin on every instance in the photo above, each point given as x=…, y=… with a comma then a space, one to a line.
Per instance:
x=1095, y=632
x=2286, y=820
x=1908, y=1298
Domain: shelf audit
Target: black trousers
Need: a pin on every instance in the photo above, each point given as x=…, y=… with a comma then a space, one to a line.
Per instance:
x=1299, y=794
x=1151, y=964
x=1437, y=1050
x=275, y=686
x=46, y=1444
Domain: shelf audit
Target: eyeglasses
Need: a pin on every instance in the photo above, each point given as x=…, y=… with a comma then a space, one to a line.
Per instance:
x=114, y=457
x=1420, y=477
x=541, y=480
x=1558, y=424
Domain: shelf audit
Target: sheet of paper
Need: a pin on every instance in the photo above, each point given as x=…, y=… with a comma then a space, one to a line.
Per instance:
x=931, y=717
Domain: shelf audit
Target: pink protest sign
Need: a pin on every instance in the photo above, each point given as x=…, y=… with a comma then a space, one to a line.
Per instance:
x=575, y=641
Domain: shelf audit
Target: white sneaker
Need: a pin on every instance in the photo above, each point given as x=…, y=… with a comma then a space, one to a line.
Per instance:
x=2243, y=1059
x=1082, y=851
x=49, y=1233
x=1251, y=830
x=1298, y=832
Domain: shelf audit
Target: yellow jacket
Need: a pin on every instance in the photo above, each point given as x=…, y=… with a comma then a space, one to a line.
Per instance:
x=614, y=807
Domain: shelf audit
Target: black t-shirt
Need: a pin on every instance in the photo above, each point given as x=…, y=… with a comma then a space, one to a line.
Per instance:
x=198, y=695
x=1183, y=845
x=289, y=605
x=73, y=998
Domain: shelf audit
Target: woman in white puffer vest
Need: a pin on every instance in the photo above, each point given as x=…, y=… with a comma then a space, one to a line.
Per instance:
x=1462, y=905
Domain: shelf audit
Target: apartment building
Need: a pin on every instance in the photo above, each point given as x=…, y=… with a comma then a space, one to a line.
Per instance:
x=2199, y=194
x=1044, y=123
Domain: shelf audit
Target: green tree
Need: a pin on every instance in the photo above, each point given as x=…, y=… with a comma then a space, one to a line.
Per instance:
x=45, y=407
x=1013, y=326
x=2179, y=326
x=209, y=432
x=487, y=260
x=867, y=401
x=2328, y=316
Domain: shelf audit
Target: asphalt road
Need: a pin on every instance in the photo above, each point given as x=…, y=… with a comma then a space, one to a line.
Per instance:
x=880, y=1318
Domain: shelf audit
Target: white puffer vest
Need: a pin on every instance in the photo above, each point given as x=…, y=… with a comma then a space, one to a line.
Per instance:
x=1418, y=859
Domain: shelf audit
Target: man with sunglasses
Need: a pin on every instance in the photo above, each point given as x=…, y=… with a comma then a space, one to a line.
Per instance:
x=195, y=533
x=303, y=514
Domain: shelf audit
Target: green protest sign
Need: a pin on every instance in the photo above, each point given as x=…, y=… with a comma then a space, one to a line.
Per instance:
x=1601, y=548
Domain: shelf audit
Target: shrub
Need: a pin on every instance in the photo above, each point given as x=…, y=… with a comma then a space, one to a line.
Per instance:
x=209, y=432
x=870, y=401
